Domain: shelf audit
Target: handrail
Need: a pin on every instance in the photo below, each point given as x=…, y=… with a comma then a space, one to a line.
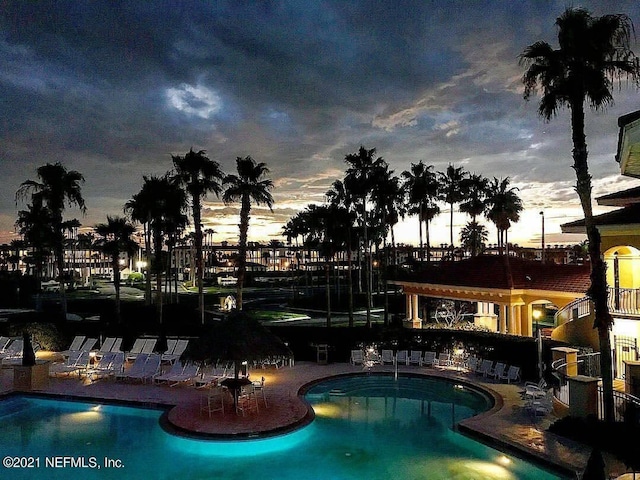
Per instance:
x=619, y=300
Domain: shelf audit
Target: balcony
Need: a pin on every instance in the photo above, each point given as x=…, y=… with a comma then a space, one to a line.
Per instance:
x=622, y=301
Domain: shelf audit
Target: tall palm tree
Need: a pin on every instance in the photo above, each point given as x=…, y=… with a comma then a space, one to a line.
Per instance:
x=34, y=224
x=56, y=188
x=116, y=239
x=199, y=176
x=159, y=207
x=421, y=189
x=593, y=53
x=339, y=196
x=453, y=190
x=503, y=207
x=359, y=180
x=249, y=186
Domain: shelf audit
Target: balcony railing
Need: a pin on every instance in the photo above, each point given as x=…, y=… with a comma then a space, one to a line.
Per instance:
x=589, y=365
x=623, y=301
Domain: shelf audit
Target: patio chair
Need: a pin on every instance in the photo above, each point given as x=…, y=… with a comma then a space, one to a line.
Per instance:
x=66, y=367
x=171, y=345
x=4, y=343
x=429, y=358
x=540, y=406
x=511, y=375
x=357, y=357
x=387, y=357
x=247, y=400
x=106, y=346
x=443, y=360
x=102, y=366
x=150, y=369
x=472, y=363
x=76, y=343
x=484, y=367
x=415, y=357
x=176, y=369
x=136, y=349
x=117, y=344
x=188, y=375
x=178, y=349
x=14, y=350
x=534, y=388
x=497, y=371
x=88, y=344
x=135, y=369
x=258, y=387
x=213, y=400
x=402, y=357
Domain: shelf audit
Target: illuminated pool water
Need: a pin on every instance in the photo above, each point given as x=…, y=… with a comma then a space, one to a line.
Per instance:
x=365, y=428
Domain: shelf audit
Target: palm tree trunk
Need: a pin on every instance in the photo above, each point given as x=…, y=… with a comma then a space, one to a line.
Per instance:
x=420, y=217
x=115, y=266
x=428, y=239
x=451, y=231
x=199, y=271
x=598, y=289
x=245, y=210
x=350, y=278
x=327, y=273
x=147, y=252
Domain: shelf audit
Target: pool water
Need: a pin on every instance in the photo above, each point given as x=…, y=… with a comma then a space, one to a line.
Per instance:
x=366, y=427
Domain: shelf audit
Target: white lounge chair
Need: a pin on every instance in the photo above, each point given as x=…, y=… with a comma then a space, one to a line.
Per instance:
x=136, y=349
x=76, y=343
x=66, y=367
x=443, y=360
x=106, y=346
x=117, y=344
x=429, y=359
x=540, y=406
x=415, y=357
x=135, y=369
x=176, y=369
x=472, y=363
x=4, y=343
x=88, y=344
x=387, y=357
x=149, y=370
x=101, y=367
x=402, y=357
x=14, y=350
x=357, y=357
x=188, y=375
x=511, y=375
x=497, y=371
x=178, y=349
x=484, y=368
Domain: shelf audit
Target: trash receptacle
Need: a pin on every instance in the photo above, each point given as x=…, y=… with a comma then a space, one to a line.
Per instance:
x=322, y=354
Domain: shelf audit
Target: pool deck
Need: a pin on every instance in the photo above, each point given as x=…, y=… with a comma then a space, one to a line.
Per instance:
x=507, y=426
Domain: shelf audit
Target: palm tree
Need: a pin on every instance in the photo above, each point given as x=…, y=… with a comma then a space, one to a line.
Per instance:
x=421, y=189
x=55, y=189
x=503, y=207
x=249, y=186
x=474, y=203
x=34, y=224
x=115, y=239
x=359, y=180
x=453, y=183
x=198, y=175
x=159, y=207
x=593, y=53
x=340, y=197
x=473, y=238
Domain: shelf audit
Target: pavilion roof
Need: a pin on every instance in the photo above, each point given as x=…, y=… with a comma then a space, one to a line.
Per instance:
x=504, y=272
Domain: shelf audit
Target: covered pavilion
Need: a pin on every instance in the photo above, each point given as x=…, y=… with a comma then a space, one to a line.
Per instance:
x=504, y=288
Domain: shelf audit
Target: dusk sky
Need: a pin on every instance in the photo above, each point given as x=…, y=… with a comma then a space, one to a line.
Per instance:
x=112, y=89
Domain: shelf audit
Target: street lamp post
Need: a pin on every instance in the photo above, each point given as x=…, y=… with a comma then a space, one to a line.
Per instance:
x=542, y=216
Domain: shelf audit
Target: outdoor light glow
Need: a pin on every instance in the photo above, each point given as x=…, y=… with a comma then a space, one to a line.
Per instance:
x=329, y=410
x=504, y=460
x=537, y=314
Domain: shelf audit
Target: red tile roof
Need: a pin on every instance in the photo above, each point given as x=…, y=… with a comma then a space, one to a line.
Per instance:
x=506, y=273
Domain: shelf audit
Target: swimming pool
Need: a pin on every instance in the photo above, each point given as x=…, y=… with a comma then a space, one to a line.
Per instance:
x=366, y=427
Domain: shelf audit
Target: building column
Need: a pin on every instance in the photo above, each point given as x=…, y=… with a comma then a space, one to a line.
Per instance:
x=415, y=318
x=407, y=298
x=502, y=321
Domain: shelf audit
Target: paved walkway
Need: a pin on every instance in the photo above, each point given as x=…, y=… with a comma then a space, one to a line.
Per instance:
x=507, y=426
